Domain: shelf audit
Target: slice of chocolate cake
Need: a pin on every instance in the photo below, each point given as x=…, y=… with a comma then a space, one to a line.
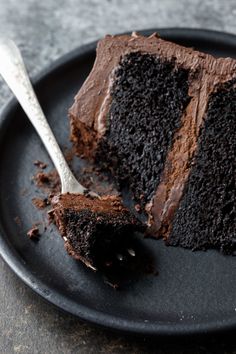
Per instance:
x=93, y=229
x=162, y=119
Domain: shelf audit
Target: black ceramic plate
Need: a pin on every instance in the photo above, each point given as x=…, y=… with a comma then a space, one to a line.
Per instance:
x=194, y=293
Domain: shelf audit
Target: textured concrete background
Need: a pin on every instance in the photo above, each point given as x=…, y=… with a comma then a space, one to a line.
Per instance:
x=45, y=30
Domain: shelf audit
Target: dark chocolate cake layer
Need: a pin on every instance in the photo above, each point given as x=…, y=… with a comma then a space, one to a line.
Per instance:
x=93, y=229
x=140, y=113
x=140, y=123
x=206, y=216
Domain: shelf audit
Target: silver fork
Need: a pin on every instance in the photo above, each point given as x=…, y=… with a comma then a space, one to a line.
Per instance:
x=13, y=71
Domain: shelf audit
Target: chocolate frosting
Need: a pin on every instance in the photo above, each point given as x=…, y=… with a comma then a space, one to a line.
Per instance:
x=89, y=112
x=106, y=204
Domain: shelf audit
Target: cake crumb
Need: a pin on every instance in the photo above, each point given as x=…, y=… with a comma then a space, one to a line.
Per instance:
x=40, y=203
x=17, y=220
x=42, y=178
x=49, y=182
x=40, y=164
x=33, y=233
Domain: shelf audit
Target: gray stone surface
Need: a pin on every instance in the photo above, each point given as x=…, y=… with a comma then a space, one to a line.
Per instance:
x=45, y=30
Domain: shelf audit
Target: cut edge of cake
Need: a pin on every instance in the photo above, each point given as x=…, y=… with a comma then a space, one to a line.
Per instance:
x=93, y=229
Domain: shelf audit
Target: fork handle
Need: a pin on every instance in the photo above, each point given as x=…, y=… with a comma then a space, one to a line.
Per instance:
x=13, y=71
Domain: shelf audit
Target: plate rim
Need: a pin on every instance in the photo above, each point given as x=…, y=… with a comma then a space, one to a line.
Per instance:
x=16, y=264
